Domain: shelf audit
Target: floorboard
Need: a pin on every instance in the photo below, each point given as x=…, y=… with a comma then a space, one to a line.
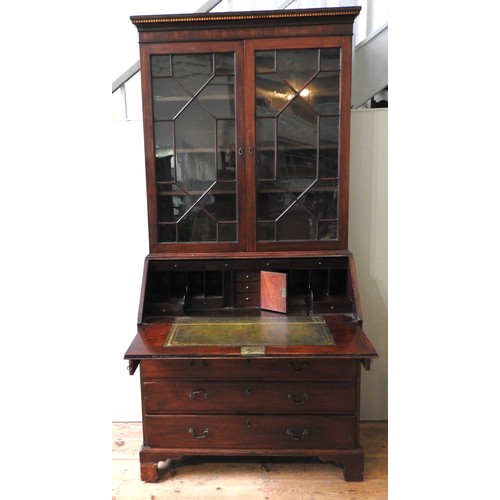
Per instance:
x=250, y=478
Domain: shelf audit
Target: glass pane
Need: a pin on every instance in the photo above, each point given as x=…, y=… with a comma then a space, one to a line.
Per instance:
x=164, y=151
x=226, y=149
x=227, y=232
x=265, y=148
x=218, y=97
x=192, y=71
x=328, y=230
x=167, y=209
x=224, y=64
x=222, y=200
x=296, y=224
x=173, y=202
x=168, y=98
x=264, y=61
x=198, y=225
x=266, y=231
x=321, y=199
x=160, y=66
x=330, y=59
x=194, y=129
x=323, y=93
x=167, y=232
x=328, y=146
x=297, y=67
x=297, y=139
x=195, y=172
x=272, y=200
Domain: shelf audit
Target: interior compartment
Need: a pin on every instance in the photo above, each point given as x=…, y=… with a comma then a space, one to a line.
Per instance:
x=196, y=287
x=165, y=293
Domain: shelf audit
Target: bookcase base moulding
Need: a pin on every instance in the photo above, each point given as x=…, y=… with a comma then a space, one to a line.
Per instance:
x=250, y=336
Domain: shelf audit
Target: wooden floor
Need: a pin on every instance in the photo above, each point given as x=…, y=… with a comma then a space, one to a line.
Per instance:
x=249, y=478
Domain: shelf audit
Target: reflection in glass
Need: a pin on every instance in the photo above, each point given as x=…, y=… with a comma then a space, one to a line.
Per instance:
x=297, y=67
x=321, y=199
x=164, y=151
x=198, y=225
x=226, y=149
x=272, y=94
x=297, y=110
x=264, y=61
x=274, y=198
x=297, y=137
x=328, y=230
x=322, y=93
x=194, y=129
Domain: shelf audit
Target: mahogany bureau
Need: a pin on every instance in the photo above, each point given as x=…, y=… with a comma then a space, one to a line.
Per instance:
x=249, y=335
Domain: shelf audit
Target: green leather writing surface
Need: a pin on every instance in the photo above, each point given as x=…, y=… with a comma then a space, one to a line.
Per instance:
x=244, y=331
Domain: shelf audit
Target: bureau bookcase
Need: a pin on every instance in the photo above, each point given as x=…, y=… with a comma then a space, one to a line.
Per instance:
x=249, y=332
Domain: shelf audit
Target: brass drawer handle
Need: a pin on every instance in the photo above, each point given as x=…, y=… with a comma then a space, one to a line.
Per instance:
x=199, y=392
x=192, y=363
x=193, y=432
x=300, y=401
x=302, y=435
x=298, y=367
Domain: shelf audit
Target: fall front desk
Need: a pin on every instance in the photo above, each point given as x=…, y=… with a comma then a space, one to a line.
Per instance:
x=227, y=380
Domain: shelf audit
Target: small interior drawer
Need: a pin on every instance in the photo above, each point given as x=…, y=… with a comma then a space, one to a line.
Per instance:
x=206, y=302
x=243, y=276
x=321, y=263
x=165, y=308
x=340, y=305
x=247, y=299
x=247, y=286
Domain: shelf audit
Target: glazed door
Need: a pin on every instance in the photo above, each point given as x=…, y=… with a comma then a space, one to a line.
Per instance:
x=299, y=159
x=192, y=97
x=247, y=144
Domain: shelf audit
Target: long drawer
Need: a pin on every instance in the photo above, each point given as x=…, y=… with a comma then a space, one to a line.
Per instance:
x=250, y=397
x=251, y=432
x=249, y=369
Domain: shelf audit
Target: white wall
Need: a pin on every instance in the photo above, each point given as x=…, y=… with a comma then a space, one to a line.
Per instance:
x=130, y=196
x=368, y=242
x=368, y=236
